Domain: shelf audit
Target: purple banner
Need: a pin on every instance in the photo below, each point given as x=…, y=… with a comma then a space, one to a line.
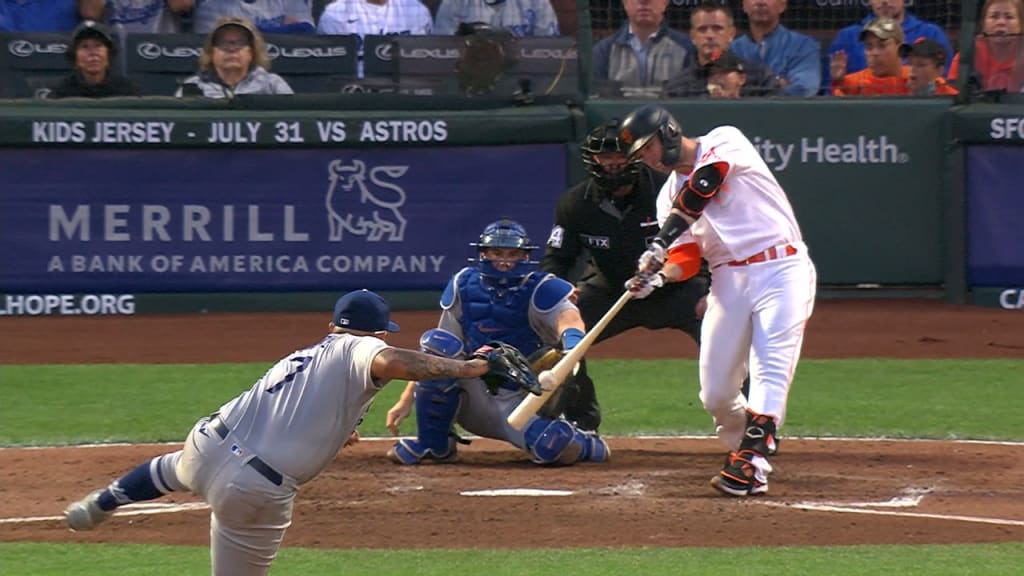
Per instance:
x=995, y=215
x=254, y=220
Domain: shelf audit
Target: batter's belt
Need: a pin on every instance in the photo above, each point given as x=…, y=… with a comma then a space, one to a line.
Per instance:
x=222, y=430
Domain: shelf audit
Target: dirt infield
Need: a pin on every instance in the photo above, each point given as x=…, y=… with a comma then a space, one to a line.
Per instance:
x=654, y=492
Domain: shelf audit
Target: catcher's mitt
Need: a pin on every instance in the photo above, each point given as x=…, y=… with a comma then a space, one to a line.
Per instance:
x=507, y=365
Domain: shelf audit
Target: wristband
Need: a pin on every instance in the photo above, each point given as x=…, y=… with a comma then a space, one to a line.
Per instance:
x=571, y=337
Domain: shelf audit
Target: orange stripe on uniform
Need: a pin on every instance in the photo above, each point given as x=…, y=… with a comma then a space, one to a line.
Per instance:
x=687, y=257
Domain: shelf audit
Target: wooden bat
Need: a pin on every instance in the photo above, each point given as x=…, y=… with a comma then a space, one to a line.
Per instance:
x=553, y=378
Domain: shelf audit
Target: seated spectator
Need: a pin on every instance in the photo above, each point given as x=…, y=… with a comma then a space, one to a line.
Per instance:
x=794, y=58
x=521, y=17
x=91, y=52
x=154, y=16
x=38, y=15
x=712, y=29
x=644, y=52
x=726, y=76
x=926, y=62
x=885, y=74
x=269, y=16
x=998, y=47
x=846, y=41
x=381, y=17
x=234, y=61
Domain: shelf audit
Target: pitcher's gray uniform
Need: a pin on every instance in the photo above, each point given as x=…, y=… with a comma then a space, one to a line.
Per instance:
x=248, y=459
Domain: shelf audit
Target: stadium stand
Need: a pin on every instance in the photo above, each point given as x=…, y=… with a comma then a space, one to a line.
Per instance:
x=31, y=63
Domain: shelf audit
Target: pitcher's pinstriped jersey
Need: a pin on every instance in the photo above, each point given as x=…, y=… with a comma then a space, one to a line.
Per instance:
x=298, y=415
x=750, y=213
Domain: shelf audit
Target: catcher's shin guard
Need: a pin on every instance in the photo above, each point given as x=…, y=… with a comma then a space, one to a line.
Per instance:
x=559, y=442
x=437, y=405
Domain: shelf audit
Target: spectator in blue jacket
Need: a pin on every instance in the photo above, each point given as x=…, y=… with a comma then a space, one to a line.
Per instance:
x=848, y=41
x=157, y=16
x=644, y=51
x=795, y=58
x=38, y=15
x=269, y=16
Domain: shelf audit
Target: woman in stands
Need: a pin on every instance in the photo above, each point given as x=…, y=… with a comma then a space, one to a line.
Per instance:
x=997, y=48
x=234, y=61
x=91, y=52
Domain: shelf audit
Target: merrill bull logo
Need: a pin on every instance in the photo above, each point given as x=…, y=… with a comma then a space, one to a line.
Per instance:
x=352, y=207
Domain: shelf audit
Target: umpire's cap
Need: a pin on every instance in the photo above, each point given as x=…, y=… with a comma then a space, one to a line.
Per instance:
x=649, y=121
x=364, y=311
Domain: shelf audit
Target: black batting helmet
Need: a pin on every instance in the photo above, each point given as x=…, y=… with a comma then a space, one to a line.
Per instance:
x=605, y=140
x=647, y=122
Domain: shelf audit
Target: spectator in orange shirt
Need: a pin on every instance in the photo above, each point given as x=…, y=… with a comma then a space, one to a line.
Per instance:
x=884, y=49
x=997, y=48
x=927, y=59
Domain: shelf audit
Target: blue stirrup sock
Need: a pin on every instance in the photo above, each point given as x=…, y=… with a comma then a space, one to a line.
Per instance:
x=148, y=481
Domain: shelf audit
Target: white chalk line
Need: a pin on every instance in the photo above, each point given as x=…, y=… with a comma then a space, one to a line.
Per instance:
x=141, y=509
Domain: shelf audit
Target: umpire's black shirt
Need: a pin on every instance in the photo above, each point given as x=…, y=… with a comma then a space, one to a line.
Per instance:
x=614, y=231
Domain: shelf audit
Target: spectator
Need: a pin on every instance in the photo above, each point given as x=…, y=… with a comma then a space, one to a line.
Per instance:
x=712, y=28
x=926, y=60
x=726, y=76
x=521, y=17
x=847, y=40
x=997, y=48
x=884, y=48
x=644, y=51
x=91, y=52
x=38, y=15
x=234, y=61
x=795, y=58
x=160, y=16
x=365, y=17
x=269, y=16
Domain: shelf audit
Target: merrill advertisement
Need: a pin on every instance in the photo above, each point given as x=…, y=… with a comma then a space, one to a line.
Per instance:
x=995, y=205
x=80, y=221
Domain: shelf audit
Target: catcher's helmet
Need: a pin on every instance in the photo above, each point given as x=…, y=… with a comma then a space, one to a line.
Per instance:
x=605, y=140
x=647, y=122
x=504, y=233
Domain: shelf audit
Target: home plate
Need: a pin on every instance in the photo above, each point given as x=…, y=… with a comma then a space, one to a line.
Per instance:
x=517, y=492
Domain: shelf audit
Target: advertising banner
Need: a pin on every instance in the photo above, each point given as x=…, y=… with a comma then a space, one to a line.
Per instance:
x=123, y=221
x=995, y=204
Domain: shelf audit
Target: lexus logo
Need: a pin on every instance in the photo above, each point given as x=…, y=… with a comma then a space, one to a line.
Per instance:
x=383, y=52
x=25, y=48
x=152, y=51
x=352, y=89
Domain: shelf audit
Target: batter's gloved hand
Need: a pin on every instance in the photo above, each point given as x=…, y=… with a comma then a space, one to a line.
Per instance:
x=507, y=365
x=652, y=259
x=642, y=285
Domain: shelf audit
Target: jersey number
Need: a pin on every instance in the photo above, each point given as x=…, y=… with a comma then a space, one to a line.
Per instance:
x=294, y=365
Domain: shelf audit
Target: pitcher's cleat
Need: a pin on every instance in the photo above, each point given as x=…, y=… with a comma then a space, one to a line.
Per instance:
x=86, y=514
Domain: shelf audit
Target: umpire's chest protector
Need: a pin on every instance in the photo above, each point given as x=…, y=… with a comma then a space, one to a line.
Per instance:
x=489, y=315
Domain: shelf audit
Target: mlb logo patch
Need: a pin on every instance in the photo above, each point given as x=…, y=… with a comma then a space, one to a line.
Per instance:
x=236, y=450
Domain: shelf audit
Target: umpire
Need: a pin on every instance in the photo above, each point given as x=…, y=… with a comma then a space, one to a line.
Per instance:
x=612, y=216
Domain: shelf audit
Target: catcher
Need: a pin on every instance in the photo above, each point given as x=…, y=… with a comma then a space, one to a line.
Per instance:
x=500, y=304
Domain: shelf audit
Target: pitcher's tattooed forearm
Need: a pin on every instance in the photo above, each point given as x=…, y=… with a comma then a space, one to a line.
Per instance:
x=418, y=366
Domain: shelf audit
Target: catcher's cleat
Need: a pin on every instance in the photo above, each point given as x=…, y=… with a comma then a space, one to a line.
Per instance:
x=410, y=452
x=741, y=476
x=86, y=514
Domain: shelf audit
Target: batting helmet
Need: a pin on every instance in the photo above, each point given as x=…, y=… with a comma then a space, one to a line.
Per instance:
x=504, y=233
x=605, y=140
x=647, y=122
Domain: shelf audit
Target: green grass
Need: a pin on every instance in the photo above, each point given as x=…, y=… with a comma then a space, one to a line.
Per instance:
x=97, y=560
x=978, y=399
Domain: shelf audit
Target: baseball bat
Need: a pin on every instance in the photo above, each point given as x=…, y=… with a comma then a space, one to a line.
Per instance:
x=553, y=378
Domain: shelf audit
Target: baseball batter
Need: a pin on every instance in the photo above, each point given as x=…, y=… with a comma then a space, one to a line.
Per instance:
x=248, y=458
x=503, y=299
x=763, y=282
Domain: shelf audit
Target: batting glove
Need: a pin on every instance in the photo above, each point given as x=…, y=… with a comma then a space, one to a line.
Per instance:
x=642, y=285
x=652, y=259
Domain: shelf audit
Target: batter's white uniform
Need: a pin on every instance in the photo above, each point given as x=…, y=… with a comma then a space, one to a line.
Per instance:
x=756, y=310
x=293, y=420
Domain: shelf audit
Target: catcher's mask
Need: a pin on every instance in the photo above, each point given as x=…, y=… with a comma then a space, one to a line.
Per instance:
x=647, y=122
x=605, y=159
x=504, y=233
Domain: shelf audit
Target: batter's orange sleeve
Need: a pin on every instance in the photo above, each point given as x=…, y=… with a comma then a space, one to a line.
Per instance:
x=687, y=257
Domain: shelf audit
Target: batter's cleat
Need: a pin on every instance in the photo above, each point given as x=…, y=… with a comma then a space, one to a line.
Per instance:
x=86, y=514
x=408, y=452
x=773, y=445
x=741, y=477
x=595, y=449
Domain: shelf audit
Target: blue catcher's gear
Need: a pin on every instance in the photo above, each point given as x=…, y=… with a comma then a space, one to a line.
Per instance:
x=504, y=233
x=437, y=405
x=559, y=442
x=486, y=317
